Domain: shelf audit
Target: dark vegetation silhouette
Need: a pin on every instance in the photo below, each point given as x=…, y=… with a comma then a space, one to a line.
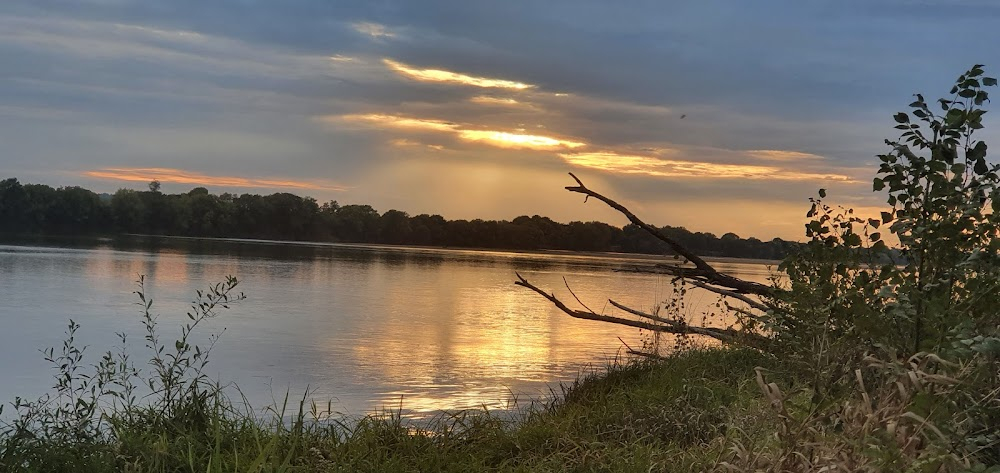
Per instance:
x=40, y=209
x=902, y=342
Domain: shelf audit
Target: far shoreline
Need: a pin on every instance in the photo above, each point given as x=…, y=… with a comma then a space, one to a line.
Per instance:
x=28, y=239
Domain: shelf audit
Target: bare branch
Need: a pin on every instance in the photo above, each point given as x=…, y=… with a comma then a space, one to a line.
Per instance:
x=742, y=311
x=574, y=295
x=669, y=326
x=722, y=334
x=709, y=273
x=735, y=295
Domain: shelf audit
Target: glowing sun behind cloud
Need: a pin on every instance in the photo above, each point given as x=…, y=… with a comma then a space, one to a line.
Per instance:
x=515, y=140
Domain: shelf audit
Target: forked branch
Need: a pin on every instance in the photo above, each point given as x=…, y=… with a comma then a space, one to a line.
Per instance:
x=702, y=269
x=756, y=296
x=656, y=324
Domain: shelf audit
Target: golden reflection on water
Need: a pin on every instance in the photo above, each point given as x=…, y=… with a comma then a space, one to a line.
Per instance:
x=505, y=343
x=418, y=329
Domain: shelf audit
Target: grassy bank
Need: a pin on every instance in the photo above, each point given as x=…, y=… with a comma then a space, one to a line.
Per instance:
x=721, y=409
x=665, y=416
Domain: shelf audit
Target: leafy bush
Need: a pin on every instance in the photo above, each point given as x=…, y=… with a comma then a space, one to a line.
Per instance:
x=895, y=350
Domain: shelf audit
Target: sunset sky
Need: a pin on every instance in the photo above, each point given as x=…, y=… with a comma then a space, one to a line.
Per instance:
x=714, y=115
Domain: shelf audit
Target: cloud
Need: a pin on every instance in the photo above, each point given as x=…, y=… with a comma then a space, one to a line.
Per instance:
x=651, y=166
x=374, y=30
x=489, y=100
x=179, y=176
x=439, y=75
x=793, y=94
x=782, y=155
x=517, y=140
x=497, y=138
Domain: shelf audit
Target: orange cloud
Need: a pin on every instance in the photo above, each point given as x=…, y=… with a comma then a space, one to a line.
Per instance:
x=650, y=166
x=187, y=177
x=498, y=138
x=439, y=75
x=517, y=140
x=488, y=100
x=781, y=155
x=400, y=122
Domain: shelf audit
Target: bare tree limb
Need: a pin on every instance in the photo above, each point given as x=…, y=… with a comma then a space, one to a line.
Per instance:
x=726, y=334
x=740, y=310
x=668, y=326
x=574, y=295
x=709, y=273
x=735, y=295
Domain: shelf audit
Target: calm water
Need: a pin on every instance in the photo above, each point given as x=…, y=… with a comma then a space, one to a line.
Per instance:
x=363, y=327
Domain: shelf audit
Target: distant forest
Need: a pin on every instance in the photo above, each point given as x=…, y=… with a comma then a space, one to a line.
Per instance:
x=41, y=209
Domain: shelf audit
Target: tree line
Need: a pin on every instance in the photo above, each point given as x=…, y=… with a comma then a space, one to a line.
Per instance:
x=38, y=208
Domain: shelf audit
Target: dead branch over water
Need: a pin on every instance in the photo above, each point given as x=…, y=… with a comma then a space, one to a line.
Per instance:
x=757, y=298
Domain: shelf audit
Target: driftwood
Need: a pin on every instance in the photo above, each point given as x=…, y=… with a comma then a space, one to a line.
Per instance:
x=756, y=298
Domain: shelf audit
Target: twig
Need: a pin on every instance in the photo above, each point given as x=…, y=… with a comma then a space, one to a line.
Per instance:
x=574, y=295
x=735, y=295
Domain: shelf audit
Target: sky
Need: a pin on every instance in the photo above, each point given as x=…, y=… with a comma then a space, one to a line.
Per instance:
x=719, y=116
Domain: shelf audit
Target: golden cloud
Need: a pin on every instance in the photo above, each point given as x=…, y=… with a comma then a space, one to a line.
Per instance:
x=397, y=121
x=403, y=142
x=632, y=164
x=781, y=155
x=488, y=100
x=439, y=75
x=498, y=138
x=517, y=140
x=188, y=177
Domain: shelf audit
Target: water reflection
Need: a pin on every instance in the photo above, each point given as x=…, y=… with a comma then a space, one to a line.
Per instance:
x=362, y=326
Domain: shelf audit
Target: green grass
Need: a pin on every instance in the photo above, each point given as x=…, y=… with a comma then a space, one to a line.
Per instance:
x=664, y=416
x=718, y=409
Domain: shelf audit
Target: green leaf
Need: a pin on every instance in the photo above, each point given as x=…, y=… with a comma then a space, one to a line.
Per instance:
x=875, y=236
x=874, y=222
x=901, y=118
x=989, y=82
x=886, y=217
x=878, y=184
x=980, y=167
x=822, y=193
x=852, y=239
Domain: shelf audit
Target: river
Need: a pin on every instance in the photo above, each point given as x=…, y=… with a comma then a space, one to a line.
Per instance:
x=360, y=328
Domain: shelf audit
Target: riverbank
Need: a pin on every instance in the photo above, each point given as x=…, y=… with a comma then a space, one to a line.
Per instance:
x=718, y=410
x=674, y=415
